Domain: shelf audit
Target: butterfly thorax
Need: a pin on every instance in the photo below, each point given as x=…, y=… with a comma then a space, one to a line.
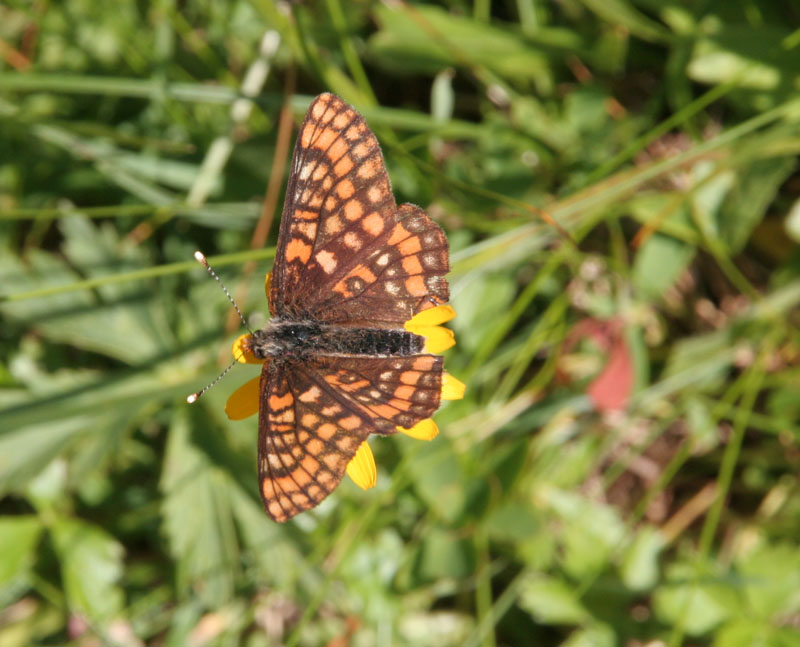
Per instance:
x=298, y=339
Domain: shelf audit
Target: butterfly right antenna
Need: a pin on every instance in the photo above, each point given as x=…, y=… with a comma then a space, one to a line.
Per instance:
x=201, y=258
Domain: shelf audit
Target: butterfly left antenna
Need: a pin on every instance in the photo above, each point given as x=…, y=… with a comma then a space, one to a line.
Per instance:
x=201, y=258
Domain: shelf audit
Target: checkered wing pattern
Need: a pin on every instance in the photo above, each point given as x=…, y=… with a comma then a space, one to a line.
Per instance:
x=347, y=253
x=314, y=415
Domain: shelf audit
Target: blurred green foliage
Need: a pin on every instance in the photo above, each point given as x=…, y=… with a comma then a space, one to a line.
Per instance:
x=662, y=137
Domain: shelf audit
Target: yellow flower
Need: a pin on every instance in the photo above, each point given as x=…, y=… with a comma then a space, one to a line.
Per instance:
x=243, y=402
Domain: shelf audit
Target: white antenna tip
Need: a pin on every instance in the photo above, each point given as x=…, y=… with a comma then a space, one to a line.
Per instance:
x=200, y=258
x=191, y=399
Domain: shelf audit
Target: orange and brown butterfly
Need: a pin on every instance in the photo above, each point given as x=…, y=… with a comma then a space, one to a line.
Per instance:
x=357, y=295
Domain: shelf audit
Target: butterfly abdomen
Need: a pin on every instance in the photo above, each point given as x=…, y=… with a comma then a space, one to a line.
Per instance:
x=303, y=338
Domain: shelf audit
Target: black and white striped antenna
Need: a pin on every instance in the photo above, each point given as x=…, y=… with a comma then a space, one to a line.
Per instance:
x=201, y=258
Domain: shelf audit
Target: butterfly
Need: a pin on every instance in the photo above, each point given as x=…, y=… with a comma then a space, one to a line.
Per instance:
x=351, y=268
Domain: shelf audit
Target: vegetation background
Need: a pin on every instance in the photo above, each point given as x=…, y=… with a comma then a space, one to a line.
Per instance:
x=624, y=467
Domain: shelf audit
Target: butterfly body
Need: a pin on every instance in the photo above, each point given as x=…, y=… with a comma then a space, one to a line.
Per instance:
x=297, y=340
x=351, y=268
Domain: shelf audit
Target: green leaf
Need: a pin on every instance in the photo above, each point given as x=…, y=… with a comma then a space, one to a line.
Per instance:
x=696, y=601
x=746, y=204
x=639, y=569
x=659, y=263
x=91, y=566
x=551, y=601
x=196, y=513
x=427, y=39
x=19, y=537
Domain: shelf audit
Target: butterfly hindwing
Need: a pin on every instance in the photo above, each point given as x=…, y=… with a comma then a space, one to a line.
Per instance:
x=314, y=415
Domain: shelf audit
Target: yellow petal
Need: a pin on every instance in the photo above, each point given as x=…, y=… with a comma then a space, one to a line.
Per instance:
x=361, y=468
x=452, y=389
x=267, y=282
x=243, y=402
x=431, y=317
x=437, y=338
x=425, y=430
x=242, y=353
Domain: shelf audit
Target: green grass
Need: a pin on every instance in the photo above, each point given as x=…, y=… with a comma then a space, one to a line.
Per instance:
x=618, y=182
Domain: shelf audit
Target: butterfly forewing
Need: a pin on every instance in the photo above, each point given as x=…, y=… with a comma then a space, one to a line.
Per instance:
x=343, y=240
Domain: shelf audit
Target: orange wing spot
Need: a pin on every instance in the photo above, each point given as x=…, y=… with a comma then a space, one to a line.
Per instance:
x=412, y=265
x=326, y=431
x=330, y=203
x=333, y=225
x=399, y=233
x=337, y=149
x=402, y=405
x=352, y=240
x=373, y=224
x=361, y=150
x=287, y=484
x=347, y=443
x=278, y=402
x=285, y=416
x=308, y=229
x=410, y=377
x=309, y=420
x=415, y=285
x=410, y=246
x=326, y=480
x=308, y=133
x=342, y=119
x=368, y=169
x=302, y=477
x=305, y=215
x=310, y=465
x=315, y=491
x=312, y=395
x=404, y=392
x=297, y=248
x=321, y=105
x=332, y=461
x=344, y=166
x=354, y=132
x=341, y=288
x=303, y=435
x=353, y=210
x=327, y=261
x=301, y=500
x=345, y=189
x=331, y=410
x=315, y=446
x=350, y=423
x=275, y=511
x=362, y=272
x=424, y=362
x=316, y=201
x=325, y=138
x=375, y=194
x=384, y=411
x=321, y=171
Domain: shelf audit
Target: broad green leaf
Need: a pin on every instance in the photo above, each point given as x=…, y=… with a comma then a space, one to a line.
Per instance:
x=696, y=601
x=551, y=601
x=91, y=564
x=196, y=513
x=19, y=537
x=659, y=263
x=640, y=564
